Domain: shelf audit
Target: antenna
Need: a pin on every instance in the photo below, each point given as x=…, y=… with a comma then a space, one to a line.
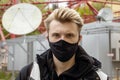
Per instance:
x=22, y=18
x=105, y=14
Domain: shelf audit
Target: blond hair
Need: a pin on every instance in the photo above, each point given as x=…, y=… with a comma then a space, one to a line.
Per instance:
x=64, y=15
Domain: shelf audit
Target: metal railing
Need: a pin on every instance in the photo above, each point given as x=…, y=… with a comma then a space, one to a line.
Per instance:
x=117, y=73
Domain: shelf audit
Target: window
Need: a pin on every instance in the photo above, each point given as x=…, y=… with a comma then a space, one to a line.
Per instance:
x=114, y=53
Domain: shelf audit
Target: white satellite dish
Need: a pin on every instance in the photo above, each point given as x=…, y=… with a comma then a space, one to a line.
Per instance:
x=22, y=18
x=105, y=14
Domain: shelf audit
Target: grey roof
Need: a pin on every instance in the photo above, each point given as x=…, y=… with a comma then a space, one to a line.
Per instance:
x=100, y=27
x=23, y=39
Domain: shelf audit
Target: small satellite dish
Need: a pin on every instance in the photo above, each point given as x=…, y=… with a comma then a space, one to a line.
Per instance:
x=22, y=18
x=105, y=14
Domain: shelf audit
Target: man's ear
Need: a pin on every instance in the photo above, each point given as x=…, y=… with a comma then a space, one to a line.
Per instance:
x=46, y=34
x=80, y=38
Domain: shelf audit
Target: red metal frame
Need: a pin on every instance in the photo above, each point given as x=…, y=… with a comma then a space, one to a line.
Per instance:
x=107, y=2
x=2, y=35
x=72, y=4
x=92, y=8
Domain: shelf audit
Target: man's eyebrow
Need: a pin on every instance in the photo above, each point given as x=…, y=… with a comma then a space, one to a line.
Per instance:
x=70, y=33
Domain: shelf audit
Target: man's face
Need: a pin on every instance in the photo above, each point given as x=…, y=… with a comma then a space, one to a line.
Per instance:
x=63, y=31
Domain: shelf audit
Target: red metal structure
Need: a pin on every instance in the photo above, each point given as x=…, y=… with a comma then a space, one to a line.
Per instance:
x=71, y=3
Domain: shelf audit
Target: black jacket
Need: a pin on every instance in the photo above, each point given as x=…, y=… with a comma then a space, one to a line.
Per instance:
x=84, y=69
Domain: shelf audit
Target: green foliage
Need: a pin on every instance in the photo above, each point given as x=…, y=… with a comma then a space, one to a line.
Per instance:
x=87, y=11
x=34, y=32
x=27, y=1
x=4, y=1
x=84, y=11
x=5, y=75
x=5, y=32
x=98, y=6
x=2, y=74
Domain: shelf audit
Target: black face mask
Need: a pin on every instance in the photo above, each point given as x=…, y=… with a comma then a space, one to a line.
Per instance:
x=63, y=50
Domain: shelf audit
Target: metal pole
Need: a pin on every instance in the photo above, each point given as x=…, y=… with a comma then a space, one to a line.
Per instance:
x=13, y=75
x=30, y=52
x=117, y=73
x=110, y=52
x=110, y=41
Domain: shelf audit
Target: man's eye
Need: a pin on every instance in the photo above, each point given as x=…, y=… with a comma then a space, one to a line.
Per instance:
x=56, y=35
x=69, y=35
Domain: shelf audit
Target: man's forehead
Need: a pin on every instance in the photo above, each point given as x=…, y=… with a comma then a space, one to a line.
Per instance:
x=63, y=32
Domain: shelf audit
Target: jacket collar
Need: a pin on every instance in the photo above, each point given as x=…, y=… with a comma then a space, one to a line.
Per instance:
x=84, y=63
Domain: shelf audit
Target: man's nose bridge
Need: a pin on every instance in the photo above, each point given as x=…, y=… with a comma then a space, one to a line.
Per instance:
x=62, y=37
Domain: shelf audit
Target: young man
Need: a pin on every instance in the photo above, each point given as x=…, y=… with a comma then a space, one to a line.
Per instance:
x=65, y=60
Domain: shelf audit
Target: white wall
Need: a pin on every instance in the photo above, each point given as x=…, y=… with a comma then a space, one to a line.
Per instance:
x=20, y=57
x=91, y=45
x=40, y=47
x=97, y=45
x=115, y=38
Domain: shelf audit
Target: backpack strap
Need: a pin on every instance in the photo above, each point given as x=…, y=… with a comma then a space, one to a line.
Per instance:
x=102, y=75
x=35, y=72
